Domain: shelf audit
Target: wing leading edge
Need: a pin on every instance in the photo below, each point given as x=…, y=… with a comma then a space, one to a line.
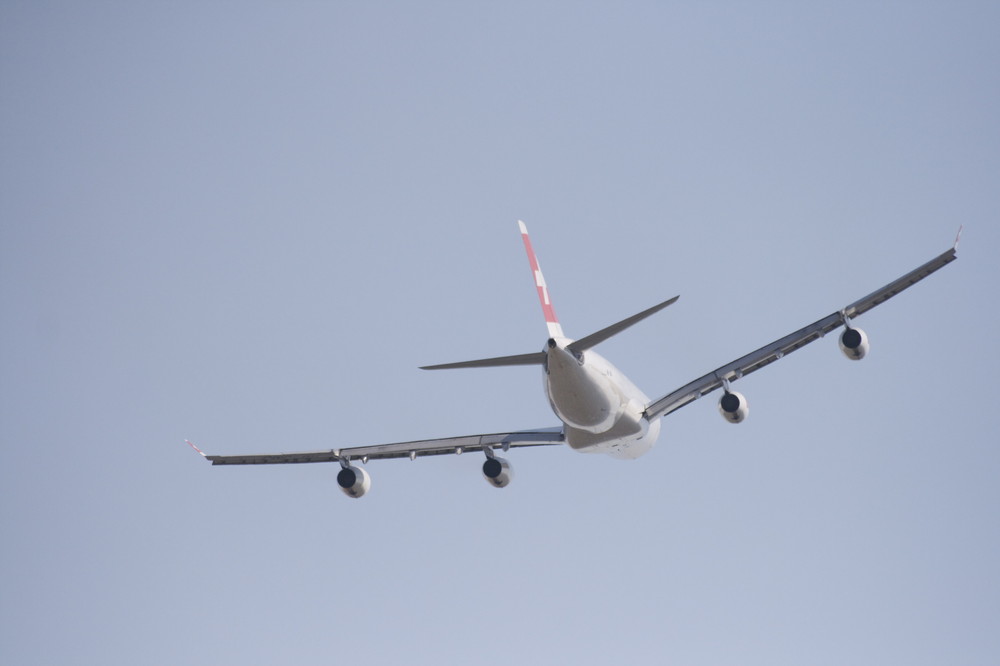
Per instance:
x=415, y=449
x=779, y=348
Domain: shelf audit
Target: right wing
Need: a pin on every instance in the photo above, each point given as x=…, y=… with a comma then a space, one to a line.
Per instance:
x=779, y=348
x=411, y=450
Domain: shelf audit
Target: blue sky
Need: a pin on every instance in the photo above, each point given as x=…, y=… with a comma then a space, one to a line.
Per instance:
x=248, y=223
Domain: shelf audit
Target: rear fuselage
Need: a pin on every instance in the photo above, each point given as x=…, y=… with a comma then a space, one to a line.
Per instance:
x=603, y=411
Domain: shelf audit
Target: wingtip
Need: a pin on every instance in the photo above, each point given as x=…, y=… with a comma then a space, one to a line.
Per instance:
x=958, y=237
x=522, y=227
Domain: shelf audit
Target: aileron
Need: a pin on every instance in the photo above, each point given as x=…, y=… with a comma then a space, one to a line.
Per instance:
x=879, y=296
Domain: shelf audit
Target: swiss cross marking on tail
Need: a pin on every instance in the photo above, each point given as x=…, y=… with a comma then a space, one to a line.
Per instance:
x=540, y=282
x=555, y=330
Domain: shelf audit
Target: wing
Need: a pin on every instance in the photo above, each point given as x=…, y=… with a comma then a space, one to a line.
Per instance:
x=411, y=450
x=779, y=348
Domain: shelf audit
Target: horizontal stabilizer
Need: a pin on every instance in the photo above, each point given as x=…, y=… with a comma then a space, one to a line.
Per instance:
x=538, y=358
x=594, y=339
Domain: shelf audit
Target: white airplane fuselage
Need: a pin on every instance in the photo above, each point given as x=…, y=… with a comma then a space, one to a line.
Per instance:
x=603, y=411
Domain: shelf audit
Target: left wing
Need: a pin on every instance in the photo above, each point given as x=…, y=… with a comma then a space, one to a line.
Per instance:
x=411, y=450
x=779, y=348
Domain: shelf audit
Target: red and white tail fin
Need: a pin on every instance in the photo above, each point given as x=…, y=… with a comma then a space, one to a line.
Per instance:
x=555, y=330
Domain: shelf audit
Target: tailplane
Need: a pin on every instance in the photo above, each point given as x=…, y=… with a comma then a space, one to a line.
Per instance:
x=556, y=337
x=537, y=358
x=594, y=339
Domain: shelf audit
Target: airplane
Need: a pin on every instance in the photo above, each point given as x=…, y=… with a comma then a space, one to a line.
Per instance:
x=600, y=409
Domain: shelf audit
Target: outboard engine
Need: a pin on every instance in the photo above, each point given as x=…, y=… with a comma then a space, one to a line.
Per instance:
x=497, y=471
x=354, y=481
x=854, y=343
x=733, y=406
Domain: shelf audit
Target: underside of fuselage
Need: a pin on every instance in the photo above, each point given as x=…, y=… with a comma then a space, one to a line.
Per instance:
x=602, y=410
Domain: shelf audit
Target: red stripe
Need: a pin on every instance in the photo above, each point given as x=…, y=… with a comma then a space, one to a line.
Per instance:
x=531, y=254
x=547, y=309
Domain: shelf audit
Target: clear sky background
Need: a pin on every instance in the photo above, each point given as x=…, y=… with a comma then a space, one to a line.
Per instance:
x=248, y=223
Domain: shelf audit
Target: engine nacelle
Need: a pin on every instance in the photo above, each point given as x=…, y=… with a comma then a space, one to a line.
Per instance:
x=497, y=471
x=854, y=343
x=354, y=481
x=733, y=406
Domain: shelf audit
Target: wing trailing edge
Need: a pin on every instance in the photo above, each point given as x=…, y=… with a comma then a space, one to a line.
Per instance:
x=416, y=449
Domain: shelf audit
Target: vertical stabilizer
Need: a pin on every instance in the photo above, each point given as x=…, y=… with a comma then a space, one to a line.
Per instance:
x=555, y=330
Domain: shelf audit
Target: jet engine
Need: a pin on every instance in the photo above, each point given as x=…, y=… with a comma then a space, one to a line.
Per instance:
x=497, y=471
x=354, y=481
x=733, y=406
x=854, y=343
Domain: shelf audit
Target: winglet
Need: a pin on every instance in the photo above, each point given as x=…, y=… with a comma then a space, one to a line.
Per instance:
x=555, y=330
x=958, y=237
x=200, y=452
